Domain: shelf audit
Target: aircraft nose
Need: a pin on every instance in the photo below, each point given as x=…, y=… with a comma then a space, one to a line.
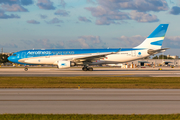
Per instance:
x=9, y=58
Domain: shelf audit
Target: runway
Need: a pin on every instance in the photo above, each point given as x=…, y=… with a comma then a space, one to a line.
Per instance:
x=90, y=101
x=54, y=72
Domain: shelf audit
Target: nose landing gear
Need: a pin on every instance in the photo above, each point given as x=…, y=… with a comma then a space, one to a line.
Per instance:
x=25, y=69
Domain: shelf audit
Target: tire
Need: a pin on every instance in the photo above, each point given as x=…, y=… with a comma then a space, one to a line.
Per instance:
x=84, y=69
x=26, y=69
x=90, y=69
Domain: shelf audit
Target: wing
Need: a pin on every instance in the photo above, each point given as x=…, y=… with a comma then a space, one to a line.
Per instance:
x=92, y=57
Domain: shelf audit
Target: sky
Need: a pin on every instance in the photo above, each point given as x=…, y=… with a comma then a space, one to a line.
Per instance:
x=72, y=24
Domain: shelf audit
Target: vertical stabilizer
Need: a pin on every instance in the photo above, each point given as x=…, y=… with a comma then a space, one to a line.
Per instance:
x=155, y=39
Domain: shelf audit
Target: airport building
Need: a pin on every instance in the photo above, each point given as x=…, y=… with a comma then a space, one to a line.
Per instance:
x=173, y=61
x=149, y=62
x=174, y=57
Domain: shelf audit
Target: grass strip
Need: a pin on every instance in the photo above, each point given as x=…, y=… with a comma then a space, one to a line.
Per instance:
x=91, y=82
x=87, y=117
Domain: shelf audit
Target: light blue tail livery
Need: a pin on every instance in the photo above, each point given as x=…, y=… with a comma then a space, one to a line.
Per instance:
x=155, y=39
x=160, y=31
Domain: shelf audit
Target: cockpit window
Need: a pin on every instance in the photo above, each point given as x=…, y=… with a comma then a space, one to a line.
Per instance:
x=14, y=54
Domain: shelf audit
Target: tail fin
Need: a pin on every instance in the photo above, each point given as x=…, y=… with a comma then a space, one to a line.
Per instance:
x=155, y=39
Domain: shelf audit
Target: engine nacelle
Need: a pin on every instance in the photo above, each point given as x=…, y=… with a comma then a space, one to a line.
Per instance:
x=65, y=64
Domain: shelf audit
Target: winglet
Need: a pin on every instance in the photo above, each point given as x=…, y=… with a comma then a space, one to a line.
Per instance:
x=119, y=50
x=116, y=51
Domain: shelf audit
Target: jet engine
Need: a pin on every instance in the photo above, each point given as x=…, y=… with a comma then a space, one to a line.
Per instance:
x=65, y=64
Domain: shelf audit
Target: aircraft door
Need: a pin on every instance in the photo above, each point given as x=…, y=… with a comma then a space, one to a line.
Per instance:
x=133, y=53
x=23, y=55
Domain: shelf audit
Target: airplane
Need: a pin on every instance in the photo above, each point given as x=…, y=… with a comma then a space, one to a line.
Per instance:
x=65, y=58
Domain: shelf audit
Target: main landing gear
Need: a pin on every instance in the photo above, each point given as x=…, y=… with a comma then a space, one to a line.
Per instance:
x=86, y=68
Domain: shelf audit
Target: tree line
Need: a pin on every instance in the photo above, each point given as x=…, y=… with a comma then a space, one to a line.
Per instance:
x=3, y=58
x=162, y=57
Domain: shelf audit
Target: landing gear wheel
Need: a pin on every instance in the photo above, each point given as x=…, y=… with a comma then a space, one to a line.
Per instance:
x=90, y=69
x=87, y=69
x=84, y=69
x=26, y=69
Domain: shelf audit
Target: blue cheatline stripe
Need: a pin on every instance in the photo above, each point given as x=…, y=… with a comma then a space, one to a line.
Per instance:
x=51, y=52
x=158, y=43
x=66, y=51
x=160, y=31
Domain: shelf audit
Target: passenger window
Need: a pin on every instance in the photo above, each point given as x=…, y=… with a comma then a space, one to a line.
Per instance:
x=14, y=54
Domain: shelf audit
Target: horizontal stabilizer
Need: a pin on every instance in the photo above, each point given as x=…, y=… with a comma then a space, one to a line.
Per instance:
x=152, y=52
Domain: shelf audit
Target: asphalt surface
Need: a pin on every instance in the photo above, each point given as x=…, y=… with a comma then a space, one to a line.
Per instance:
x=90, y=101
x=54, y=72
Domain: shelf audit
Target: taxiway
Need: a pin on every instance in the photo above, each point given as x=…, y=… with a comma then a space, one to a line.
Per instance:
x=54, y=72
